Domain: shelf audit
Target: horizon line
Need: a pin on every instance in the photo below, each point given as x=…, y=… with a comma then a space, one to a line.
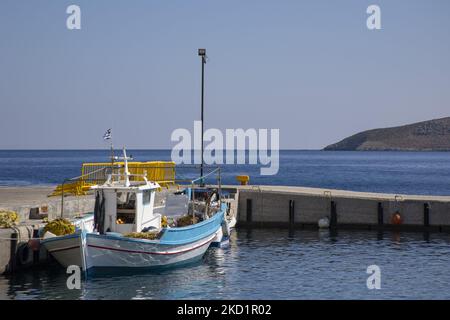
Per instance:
x=143, y=149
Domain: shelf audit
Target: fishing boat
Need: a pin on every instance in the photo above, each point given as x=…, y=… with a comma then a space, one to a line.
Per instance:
x=125, y=230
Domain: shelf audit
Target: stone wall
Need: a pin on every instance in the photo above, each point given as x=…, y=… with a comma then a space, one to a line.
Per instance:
x=271, y=207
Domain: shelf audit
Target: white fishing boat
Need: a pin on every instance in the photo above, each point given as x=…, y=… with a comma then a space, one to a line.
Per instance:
x=125, y=231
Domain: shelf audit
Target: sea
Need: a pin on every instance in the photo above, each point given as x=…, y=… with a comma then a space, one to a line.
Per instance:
x=268, y=263
x=426, y=173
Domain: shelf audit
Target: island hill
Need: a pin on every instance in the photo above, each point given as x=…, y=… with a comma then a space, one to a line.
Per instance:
x=432, y=135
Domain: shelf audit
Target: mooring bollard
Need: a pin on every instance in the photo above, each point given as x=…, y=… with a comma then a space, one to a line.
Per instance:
x=333, y=215
x=249, y=210
x=426, y=214
x=291, y=211
x=380, y=214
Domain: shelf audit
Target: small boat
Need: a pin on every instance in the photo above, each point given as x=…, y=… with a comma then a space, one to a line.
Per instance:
x=125, y=230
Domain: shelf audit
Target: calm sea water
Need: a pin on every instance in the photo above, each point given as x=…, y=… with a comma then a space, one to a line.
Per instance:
x=273, y=264
x=270, y=263
x=392, y=172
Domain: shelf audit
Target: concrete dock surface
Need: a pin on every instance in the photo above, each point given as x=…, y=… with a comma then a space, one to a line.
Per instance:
x=24, y=199
x=17, y=196
x=336, y=193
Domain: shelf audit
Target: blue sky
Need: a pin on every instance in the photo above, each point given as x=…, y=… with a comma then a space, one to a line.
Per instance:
x=310, y=68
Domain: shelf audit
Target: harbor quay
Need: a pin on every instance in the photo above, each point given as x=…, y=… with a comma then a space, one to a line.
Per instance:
x=34, y=202
x=281, y=206
x=255, y=206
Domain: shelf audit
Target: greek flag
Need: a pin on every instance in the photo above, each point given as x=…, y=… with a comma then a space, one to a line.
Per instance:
x=107, y=135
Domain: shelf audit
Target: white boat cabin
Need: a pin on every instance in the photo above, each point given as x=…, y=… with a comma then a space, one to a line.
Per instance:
x=123, y=206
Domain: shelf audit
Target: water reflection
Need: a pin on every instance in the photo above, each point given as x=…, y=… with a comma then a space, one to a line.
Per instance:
x=272, y=264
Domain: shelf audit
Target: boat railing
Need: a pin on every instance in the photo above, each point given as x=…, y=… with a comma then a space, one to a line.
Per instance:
x=201, y=179
x=125, y=176
x=175, y=179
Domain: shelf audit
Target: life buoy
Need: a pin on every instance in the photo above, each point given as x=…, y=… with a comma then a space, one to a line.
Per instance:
x=396, y=218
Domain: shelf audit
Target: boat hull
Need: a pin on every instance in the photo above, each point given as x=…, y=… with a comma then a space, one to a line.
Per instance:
x=178, y=246
x=116, y=252
x=222, y=239
x=105, y=252
x=66, y=250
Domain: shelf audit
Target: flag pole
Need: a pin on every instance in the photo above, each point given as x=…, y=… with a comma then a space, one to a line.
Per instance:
x=112, y=157
x=108, y=136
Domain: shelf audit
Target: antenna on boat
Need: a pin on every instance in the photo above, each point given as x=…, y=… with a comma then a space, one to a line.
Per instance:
x=125, y=170
x=127, y=173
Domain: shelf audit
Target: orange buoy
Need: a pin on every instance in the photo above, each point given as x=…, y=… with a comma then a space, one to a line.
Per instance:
x=396, y=218
x=243, y=179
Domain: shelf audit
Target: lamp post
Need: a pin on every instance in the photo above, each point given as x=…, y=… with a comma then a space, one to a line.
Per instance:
x=202, y=54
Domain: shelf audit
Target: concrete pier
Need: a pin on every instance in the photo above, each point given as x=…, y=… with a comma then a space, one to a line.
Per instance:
x=27, y=201
x=32, y=205
x=15, y=254
x=303, y=207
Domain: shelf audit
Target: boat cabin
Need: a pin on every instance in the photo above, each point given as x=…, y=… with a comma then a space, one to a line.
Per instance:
x=123, y=206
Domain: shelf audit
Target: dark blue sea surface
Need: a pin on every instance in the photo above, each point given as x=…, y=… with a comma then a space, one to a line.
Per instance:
x=392, y=172
x=272, y=264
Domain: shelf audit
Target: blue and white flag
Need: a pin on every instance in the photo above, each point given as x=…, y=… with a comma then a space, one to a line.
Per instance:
x=107, y=135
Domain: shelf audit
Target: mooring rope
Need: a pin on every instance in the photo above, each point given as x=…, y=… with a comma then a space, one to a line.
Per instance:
x=18, y=239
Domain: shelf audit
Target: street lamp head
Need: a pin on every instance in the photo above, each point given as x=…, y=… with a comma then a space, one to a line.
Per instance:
x=202, y=52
